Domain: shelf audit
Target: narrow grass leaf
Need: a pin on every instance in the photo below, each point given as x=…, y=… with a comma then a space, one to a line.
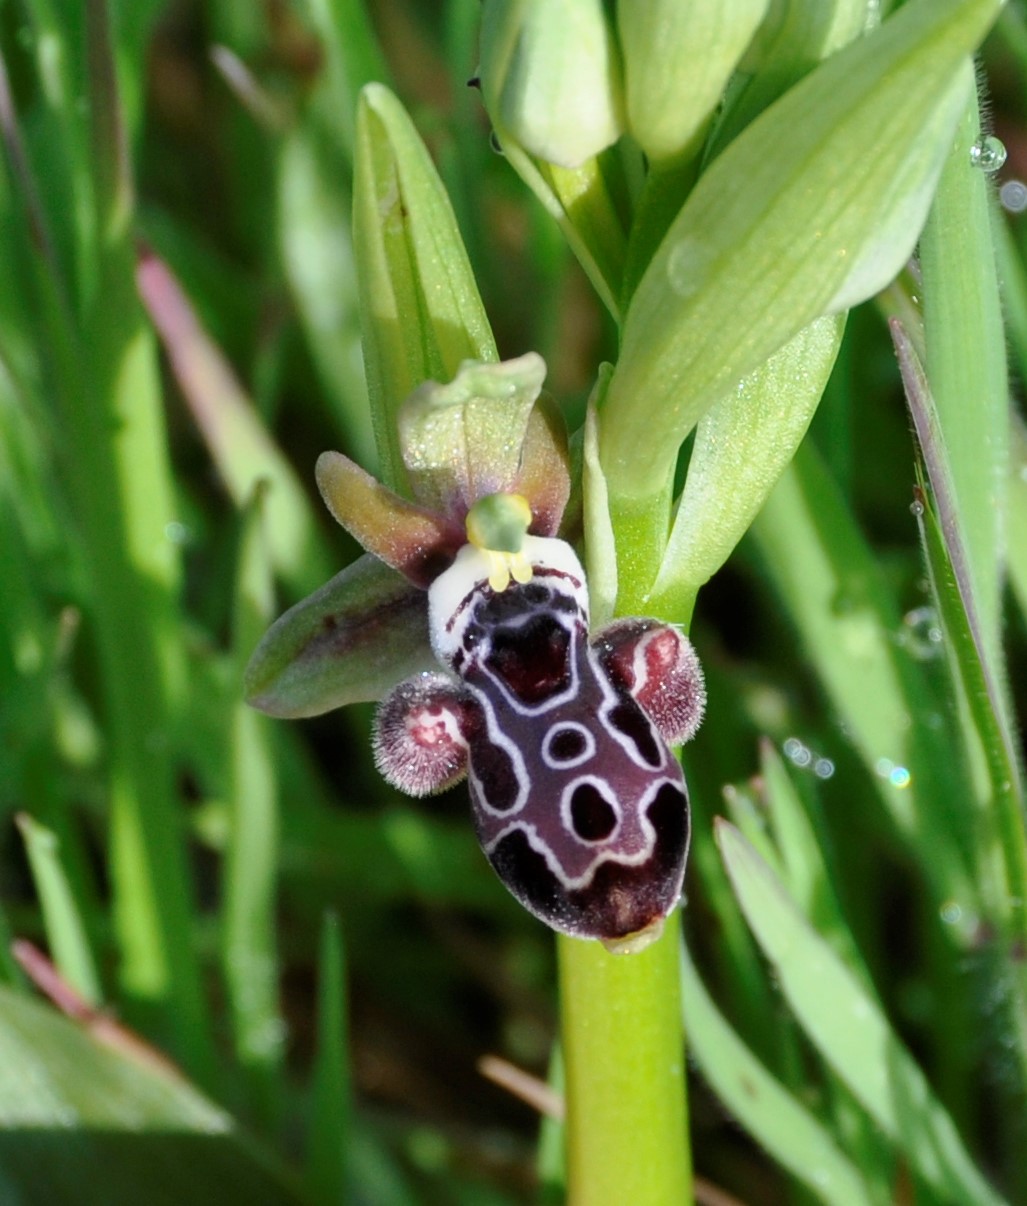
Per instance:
x=806, y=873
x=79, y=1117
x=776, y=1119
x=850, y=1031
x=850, y=627
x=331, y=1101
x=978, y=666
x=814, y=207
x=966, y=365
x=62, y=915
x=241, y=447
x=250, y=868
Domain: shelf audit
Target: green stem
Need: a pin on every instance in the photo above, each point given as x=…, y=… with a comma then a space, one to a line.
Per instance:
x=627, y=1112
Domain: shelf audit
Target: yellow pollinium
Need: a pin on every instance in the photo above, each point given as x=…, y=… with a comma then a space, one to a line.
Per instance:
x=497, y=525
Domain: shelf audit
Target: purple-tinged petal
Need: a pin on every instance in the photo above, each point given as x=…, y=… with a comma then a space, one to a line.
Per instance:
x=348, y=642
x=407, y=537
x=421, y=731
x=544, y=476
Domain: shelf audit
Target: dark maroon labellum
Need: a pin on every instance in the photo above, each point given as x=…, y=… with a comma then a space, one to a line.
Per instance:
x=578, y=802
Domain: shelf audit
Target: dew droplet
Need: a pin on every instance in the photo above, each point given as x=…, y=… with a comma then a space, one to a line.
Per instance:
x=950, y=912
x=988, y=153
x=1013, y=196
x=687, y=266
x=916, y=507
x=176, y=532
x=797, y=752
x=921, y=633
x=823, y=768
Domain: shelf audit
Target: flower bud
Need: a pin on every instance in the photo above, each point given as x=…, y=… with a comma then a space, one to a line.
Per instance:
x=551, y=78
x=677, y=61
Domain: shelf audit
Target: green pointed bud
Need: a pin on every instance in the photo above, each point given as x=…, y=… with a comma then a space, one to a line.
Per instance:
x=463, y=440
x=550, y=77
x=678, y=58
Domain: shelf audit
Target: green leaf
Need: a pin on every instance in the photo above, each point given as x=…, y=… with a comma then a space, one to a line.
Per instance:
x=742, y=446
x=850, y=630
x=240, y=445
x=850, y=1031
x=814, y=207
x=79, y=1120
x=349, y=641
x=600, y=551
x=1017, y=508
x=779, y=1122
x=250, y=866
x=421, y=313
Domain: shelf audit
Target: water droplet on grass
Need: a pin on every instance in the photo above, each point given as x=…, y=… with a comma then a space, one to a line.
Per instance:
x=988, y=153
x=921, y=633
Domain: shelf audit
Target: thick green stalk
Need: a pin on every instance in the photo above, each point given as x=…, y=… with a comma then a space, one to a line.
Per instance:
x=627, y=1113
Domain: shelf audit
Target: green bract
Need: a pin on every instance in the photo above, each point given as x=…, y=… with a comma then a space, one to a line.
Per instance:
x=551, y=77
x=742, y=445
x=421, y=314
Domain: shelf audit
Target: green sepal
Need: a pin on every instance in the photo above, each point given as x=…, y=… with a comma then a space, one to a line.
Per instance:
x=814, y=207
x=421, y=314
x=463, y=440
x=350, y=641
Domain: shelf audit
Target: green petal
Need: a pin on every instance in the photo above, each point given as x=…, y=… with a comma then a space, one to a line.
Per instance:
x=463, y=440
x=814, y=207
x=350, y=641
x=421, y=312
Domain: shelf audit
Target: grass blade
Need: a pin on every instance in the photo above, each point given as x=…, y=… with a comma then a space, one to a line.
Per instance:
x=65, y=927
x=329, y=1140
x=767, y=1110
x=850, y=1031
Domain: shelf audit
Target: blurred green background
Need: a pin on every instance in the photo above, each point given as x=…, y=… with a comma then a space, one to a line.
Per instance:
x=183, y=854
